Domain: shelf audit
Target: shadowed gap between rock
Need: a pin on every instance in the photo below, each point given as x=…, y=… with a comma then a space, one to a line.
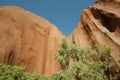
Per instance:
x=10, y=58
x=109, y=20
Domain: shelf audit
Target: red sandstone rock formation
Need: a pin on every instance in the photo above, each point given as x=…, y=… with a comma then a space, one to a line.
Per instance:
x=28, y=40
x=100, y=25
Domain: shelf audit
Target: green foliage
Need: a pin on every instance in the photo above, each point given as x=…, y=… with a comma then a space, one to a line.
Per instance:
x=62, y=75
x=18, y=73
x=63, y=54
x=84, y=63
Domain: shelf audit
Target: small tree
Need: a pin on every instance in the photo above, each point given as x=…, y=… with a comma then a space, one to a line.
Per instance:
x=84, y=63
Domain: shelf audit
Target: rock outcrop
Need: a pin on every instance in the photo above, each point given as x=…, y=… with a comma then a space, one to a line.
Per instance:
x=28, y=40
x=99, y=25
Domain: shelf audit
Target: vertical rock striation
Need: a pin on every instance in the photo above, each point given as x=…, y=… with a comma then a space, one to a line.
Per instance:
x=100, y=25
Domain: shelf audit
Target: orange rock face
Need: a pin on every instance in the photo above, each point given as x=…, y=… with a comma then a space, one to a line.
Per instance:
x=28, y=40
x=99, y=25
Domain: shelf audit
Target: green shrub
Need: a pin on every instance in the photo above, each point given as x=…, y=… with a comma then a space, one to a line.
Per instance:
x=17, y=73
x=85, y=63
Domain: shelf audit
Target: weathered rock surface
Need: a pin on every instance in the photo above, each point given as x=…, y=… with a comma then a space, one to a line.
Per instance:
x=99, y=25
x=28, y=40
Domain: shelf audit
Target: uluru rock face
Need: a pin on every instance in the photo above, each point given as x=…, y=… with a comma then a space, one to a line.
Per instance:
x=100, y=25
x=28, y=40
